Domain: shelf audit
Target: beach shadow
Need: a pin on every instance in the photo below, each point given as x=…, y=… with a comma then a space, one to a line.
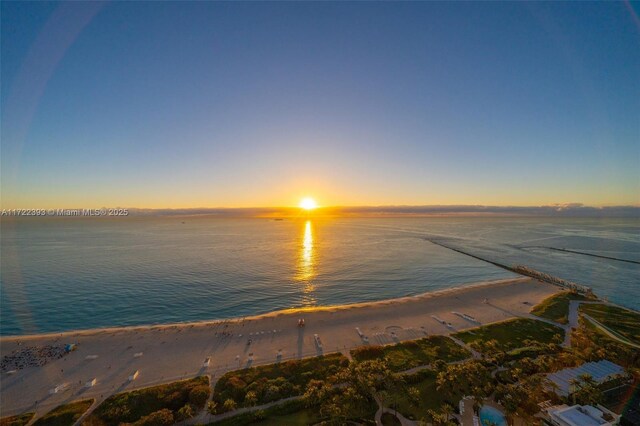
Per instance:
x=300, y=341
x=122, y=387
x=82, y=390
x=502, y=309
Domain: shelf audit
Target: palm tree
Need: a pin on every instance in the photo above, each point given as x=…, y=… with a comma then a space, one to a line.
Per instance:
x=446, y=410
x=586, y=390
x=439, y=419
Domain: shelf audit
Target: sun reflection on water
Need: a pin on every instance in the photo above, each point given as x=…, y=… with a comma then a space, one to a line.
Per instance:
x=306, y=264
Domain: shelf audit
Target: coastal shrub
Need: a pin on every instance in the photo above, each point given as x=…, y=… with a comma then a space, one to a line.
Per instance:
x=199, y=395
x=414, y=353
x=66, y=414
x=229, y=405
x=275, y=381
x=162, y=417
x=259, y=415
x=368, y=352
x=250, y=398
x=18, y=420
x=148, y=405
x=556, y=307
x=186, y=412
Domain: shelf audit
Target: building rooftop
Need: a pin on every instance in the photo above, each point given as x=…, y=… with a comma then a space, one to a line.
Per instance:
x=578, y=415
x=600, y=371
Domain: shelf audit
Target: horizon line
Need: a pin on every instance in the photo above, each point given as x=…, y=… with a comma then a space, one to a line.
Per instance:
x=567, y=209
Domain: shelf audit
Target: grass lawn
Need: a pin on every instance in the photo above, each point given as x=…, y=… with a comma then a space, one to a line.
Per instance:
x=406, y=355
x=274, y=381
x=622, y=321
x=512, y=334
x=18, y=420
x=430, y=397
x=158, y=404
x=292, y=413
x=556, y=307
x=65, y=415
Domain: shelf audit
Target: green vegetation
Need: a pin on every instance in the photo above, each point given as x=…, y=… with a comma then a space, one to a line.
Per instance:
x=65, y=415
x=430, y=395
x=406, y=355
x=512, y=334
x=622, y=321
x=291, y=413
x=556, y=307
x=421, y=396
x=158, y=405
x=260, y=385
x=18, y=420
x=351, y=394
x=589, y=343
x=390, y=420
x=288, y=413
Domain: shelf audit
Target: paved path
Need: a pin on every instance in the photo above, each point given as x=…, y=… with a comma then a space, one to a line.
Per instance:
x=205, y=418
x=574, y=307
x=403, y=420
x=466, y=414
x=474, y=353
x=612, y=334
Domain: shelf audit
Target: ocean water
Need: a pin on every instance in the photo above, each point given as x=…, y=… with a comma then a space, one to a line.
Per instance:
x=64, y=274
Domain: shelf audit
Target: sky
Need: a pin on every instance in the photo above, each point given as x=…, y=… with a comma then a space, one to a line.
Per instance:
x=202, y=104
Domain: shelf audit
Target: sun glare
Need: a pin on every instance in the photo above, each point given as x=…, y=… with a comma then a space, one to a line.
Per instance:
x=308, y=203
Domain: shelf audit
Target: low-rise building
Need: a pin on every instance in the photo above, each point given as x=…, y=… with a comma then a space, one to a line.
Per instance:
x=601, y=372
x=581, y=415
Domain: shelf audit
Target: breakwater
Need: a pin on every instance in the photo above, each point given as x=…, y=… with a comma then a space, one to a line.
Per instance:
x=524, y=270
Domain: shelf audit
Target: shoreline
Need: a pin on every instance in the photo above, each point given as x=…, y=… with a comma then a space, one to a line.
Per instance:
x=170, y=352
x=306, y=310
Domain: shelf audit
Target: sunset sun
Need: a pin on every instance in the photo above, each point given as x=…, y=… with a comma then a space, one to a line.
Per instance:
x=308, y=203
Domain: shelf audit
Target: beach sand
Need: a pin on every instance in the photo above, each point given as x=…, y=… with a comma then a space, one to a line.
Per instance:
x=172, y=352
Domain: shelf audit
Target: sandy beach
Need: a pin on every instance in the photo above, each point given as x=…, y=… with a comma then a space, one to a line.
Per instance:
x=171, y=352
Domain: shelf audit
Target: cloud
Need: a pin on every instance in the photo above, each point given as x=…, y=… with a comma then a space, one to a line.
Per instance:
x=552, y=210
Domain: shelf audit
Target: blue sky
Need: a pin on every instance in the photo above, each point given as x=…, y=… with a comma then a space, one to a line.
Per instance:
x=160, y=105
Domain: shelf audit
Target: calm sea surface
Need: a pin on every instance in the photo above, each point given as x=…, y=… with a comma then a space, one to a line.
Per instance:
x=64, y=274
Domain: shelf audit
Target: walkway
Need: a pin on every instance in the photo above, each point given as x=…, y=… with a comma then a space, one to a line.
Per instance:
x=574, y=308
x=403, y=420
x=612, y=334
x=206, y=418
x=474, y=353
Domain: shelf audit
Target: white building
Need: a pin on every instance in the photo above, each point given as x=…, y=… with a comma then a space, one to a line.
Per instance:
x=581, y=415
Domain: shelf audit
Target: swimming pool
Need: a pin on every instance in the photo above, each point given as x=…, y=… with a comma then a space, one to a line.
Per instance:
x=491, y=415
